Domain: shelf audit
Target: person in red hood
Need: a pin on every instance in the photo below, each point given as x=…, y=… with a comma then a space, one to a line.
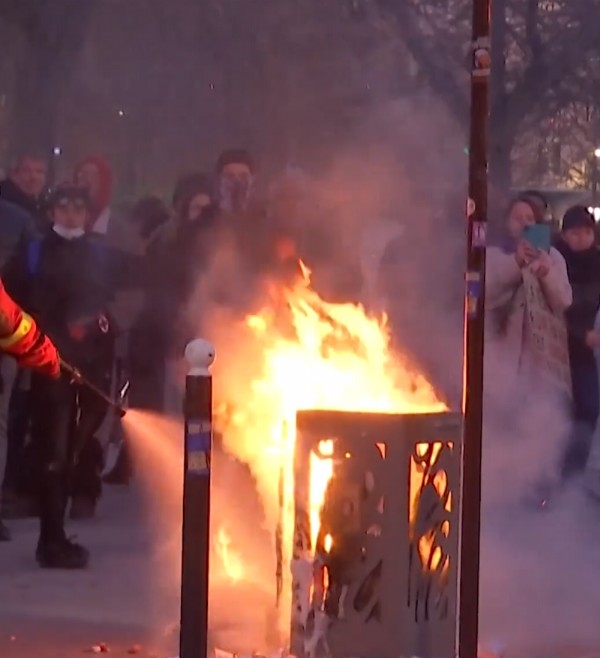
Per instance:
x=95, y=175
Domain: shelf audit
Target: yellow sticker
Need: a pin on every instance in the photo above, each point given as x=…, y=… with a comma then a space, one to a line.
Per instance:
x=197, y=462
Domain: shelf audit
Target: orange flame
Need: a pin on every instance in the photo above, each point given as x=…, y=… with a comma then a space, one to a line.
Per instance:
x=301, y=352
x=231, y=560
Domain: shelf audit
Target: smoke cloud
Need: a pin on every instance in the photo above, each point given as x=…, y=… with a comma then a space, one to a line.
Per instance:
x=402, y=176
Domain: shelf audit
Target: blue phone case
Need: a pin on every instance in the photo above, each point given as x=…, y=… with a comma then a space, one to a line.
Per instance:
x=538, y=236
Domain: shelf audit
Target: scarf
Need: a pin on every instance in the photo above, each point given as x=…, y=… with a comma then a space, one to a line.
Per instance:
x=68, y=233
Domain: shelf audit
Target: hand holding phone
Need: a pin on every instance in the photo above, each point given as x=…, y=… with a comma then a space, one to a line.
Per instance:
x=525, y=254
x=538, y=236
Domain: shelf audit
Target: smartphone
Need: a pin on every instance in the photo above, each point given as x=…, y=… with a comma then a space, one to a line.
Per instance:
x=538, y=236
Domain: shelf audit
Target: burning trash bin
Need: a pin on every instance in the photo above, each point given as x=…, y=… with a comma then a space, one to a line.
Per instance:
x=375, y=564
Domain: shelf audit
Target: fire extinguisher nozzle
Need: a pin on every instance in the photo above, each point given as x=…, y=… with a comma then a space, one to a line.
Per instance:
x=78, y=378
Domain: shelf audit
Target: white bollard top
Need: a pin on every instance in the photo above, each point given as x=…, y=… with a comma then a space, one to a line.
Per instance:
x=200, y=355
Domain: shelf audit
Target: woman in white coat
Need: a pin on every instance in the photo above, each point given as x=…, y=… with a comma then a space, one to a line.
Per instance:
x=526, y=420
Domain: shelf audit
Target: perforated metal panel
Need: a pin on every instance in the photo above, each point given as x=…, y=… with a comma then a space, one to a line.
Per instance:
x=384, y=582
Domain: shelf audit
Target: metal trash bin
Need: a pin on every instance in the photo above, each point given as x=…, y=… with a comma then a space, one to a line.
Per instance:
x=375, y=565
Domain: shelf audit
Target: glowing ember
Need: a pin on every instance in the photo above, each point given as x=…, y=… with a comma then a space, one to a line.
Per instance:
x=430, y=553
x=303, y=353
x=232, y=562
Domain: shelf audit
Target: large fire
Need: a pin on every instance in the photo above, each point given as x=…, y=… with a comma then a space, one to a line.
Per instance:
x=301, y=352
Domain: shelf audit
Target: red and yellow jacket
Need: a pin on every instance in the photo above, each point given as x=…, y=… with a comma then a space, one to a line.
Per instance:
x=21, y=338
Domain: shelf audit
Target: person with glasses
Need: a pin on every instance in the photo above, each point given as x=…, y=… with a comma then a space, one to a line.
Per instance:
x=65, y=281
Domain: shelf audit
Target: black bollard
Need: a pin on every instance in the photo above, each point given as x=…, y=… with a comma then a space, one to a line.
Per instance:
x=193, y=641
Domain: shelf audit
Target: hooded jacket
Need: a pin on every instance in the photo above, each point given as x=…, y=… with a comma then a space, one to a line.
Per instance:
x=101, y=200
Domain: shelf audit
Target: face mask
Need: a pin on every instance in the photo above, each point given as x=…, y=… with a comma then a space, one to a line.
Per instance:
x=68, y=233
x=234, y=193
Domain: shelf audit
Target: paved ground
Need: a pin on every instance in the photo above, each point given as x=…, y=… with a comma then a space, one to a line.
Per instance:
x=540, y=585
x=540, y=577
x=130, y=594
x=47, y=614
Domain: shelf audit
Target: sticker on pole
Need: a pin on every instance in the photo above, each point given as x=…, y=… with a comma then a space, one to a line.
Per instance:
x=478, y=235
x=473, y=293
x=471, y=207
x=482, y=58
x=198, y=446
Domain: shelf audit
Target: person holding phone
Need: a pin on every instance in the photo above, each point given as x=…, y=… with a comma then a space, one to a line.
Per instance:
x=527, y=245
x=522, y=404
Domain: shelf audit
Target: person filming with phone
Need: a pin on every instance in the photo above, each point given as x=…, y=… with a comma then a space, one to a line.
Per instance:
x=523, y=403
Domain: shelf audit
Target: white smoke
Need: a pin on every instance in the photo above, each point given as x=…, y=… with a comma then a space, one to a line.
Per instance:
x=404, y=173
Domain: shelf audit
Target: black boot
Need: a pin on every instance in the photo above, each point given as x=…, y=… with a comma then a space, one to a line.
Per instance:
x=62, y=554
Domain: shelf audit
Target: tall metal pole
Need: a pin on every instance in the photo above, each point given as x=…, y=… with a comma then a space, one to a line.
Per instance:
x=468, y=616
x=193, y=642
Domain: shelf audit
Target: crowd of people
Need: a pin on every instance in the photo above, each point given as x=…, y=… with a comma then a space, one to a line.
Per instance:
x=525, y=395
x=110, y=289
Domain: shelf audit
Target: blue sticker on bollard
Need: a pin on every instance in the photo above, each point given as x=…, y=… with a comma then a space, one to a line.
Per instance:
x=199, y=440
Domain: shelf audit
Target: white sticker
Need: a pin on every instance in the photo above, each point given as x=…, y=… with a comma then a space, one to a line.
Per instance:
x=471, y=207
x=482, y=58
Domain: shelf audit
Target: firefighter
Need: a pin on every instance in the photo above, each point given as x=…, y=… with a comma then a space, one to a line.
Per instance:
x=21, y=338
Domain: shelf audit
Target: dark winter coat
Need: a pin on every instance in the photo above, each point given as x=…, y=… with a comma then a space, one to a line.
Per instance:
x=179, y=257
x=68, y=289
x=35, y=207
x=584, y=275
x=15, y=226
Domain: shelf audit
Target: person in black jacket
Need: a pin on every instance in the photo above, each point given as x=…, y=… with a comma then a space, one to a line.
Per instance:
x=578, y=246
x=63, y=280
x=26, y=188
